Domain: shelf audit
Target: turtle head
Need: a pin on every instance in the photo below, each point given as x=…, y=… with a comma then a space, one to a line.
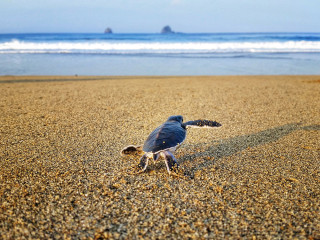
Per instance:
x=177, y=118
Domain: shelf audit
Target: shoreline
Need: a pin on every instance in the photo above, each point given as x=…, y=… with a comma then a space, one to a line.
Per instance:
x=62, y=78
x=255, y=177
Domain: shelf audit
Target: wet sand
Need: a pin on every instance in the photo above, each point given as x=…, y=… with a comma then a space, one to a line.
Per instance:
x=256, y=177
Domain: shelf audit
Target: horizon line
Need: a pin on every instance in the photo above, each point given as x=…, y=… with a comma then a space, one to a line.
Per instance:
x=228, y=32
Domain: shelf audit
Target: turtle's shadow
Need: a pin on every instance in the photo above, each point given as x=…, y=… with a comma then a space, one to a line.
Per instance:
x=236, y=144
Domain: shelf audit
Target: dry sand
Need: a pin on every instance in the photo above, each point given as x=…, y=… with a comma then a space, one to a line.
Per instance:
x=62, y=176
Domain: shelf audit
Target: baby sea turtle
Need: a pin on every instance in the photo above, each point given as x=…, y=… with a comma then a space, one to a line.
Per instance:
x=165, y=139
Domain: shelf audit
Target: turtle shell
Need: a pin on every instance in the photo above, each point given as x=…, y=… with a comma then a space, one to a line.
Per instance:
x=168, y=135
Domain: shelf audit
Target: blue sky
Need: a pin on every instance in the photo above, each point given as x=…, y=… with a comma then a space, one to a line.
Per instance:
x=149, y=16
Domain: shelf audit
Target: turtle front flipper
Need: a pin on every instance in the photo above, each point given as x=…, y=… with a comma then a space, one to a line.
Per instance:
x=131, y=149
x=201, y=124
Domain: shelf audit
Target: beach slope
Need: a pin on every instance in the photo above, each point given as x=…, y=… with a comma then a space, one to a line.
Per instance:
x=62, y=175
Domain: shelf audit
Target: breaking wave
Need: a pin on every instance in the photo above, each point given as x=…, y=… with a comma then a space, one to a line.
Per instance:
x=103, y=47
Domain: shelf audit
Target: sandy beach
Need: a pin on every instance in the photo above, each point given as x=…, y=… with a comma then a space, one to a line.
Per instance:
x=256, y=177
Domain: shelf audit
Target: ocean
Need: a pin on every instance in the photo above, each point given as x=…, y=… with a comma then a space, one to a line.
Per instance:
x=160, y=54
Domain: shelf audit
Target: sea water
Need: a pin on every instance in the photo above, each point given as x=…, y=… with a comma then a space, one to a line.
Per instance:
x=160, y=54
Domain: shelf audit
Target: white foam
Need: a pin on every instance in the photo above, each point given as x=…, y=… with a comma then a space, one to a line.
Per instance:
x=16, y=46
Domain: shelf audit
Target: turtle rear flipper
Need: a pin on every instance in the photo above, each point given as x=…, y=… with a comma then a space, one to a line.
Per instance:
x=143, y=162
x=131, y=149
x=172, y=165
x=170, y=161
x=201, y=124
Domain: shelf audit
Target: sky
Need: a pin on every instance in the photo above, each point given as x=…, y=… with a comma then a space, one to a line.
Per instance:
x=150, y=16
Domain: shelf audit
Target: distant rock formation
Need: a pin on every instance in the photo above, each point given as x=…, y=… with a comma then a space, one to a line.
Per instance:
x=108, y=30
x=166, y=29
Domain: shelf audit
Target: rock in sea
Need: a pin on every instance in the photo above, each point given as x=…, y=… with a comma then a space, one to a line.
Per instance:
x=108, y=30
x=166, y=29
